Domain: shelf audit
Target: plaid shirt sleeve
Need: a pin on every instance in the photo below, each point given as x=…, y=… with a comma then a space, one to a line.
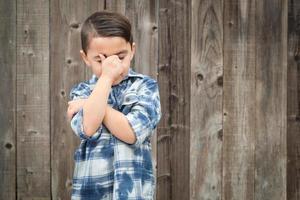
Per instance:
x=146, y=112
x=81, y=91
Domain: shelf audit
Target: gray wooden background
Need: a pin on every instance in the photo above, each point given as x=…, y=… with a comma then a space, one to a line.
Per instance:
x=229, y=76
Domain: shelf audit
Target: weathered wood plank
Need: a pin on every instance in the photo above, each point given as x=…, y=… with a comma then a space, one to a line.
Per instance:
x=8, y=99
x=33, y=129
x=164, y=179
x=271, y=99
x=206, y=99
x=293, y=104
x=174, y=79
x=143, y=16
x=239, y=105
x=67, y=68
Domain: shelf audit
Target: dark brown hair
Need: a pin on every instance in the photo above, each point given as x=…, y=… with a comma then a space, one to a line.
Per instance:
x=105, y=24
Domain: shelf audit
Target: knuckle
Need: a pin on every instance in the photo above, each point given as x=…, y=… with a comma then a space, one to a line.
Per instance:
x=68, y=112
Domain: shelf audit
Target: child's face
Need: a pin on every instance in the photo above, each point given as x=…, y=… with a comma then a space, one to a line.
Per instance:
x=108, y=46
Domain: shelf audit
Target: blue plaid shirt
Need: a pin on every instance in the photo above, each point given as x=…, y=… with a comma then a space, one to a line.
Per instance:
x=106, y=167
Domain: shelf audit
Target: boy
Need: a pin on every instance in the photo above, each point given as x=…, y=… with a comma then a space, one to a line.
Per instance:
x=114, y=114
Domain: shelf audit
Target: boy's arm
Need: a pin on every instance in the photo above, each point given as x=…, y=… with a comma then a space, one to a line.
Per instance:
x=137, y=125
x=123, y=131
x=139, y=122
x=118, y=125
x=95, y=106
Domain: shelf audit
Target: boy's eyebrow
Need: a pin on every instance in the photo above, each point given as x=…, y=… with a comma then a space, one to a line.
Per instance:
x=121, y=52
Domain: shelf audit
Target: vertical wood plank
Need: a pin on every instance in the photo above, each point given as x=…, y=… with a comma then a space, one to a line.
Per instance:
x=174, y=79
x=206, y=99
x=8, y=99
x=33, y=130
x=239, y=105
x=164, y=130
x=271, y=99
x=67, y=68
x=293, y=104
x=143, y=16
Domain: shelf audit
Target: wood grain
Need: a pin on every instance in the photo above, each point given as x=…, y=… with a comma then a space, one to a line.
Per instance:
x=8, y=99
x=271, y=99
x=206, y=99
x=116, y=6
x=33, y=119
x=164, y=179
x=143, y=15
x=293, y=102
x=174, y=79
x=239, y=104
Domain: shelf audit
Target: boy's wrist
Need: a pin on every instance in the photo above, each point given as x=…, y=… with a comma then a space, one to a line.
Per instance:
x=107, y=79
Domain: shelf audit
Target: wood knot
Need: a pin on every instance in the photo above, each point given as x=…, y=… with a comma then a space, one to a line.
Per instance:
x=220, y=81
x=154, y=28
x=199, y=79
x=29, y=170
x=163, y=67
x=174, y=97
x=32, y=132
x=74, y=25
x=62, y=92
x=297, y=57
x=165, y=10
x=220, y=134
x=69, y=61
x=199, y=76
x=8, y=145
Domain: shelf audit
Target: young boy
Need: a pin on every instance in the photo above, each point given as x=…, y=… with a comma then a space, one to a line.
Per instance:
x=114, y=114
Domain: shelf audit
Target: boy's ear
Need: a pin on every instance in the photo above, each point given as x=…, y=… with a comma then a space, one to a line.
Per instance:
x=132, y=50
x=84, y=58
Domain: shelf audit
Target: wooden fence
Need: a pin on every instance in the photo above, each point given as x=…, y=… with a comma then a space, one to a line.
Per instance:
x=229, y=76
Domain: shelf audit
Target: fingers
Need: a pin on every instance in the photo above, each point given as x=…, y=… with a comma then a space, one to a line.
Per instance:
x=70, y=113
x=102, y=57
x=74, y=106
x=71, y=110
x=112, y=57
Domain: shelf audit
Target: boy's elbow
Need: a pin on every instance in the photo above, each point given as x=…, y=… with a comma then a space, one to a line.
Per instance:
x=90, y=126
x=132, y=137
x=132, y=140
x=88, y=131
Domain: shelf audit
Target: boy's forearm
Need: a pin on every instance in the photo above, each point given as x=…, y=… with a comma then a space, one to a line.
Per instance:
x=118, y=125
x=95, y=106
